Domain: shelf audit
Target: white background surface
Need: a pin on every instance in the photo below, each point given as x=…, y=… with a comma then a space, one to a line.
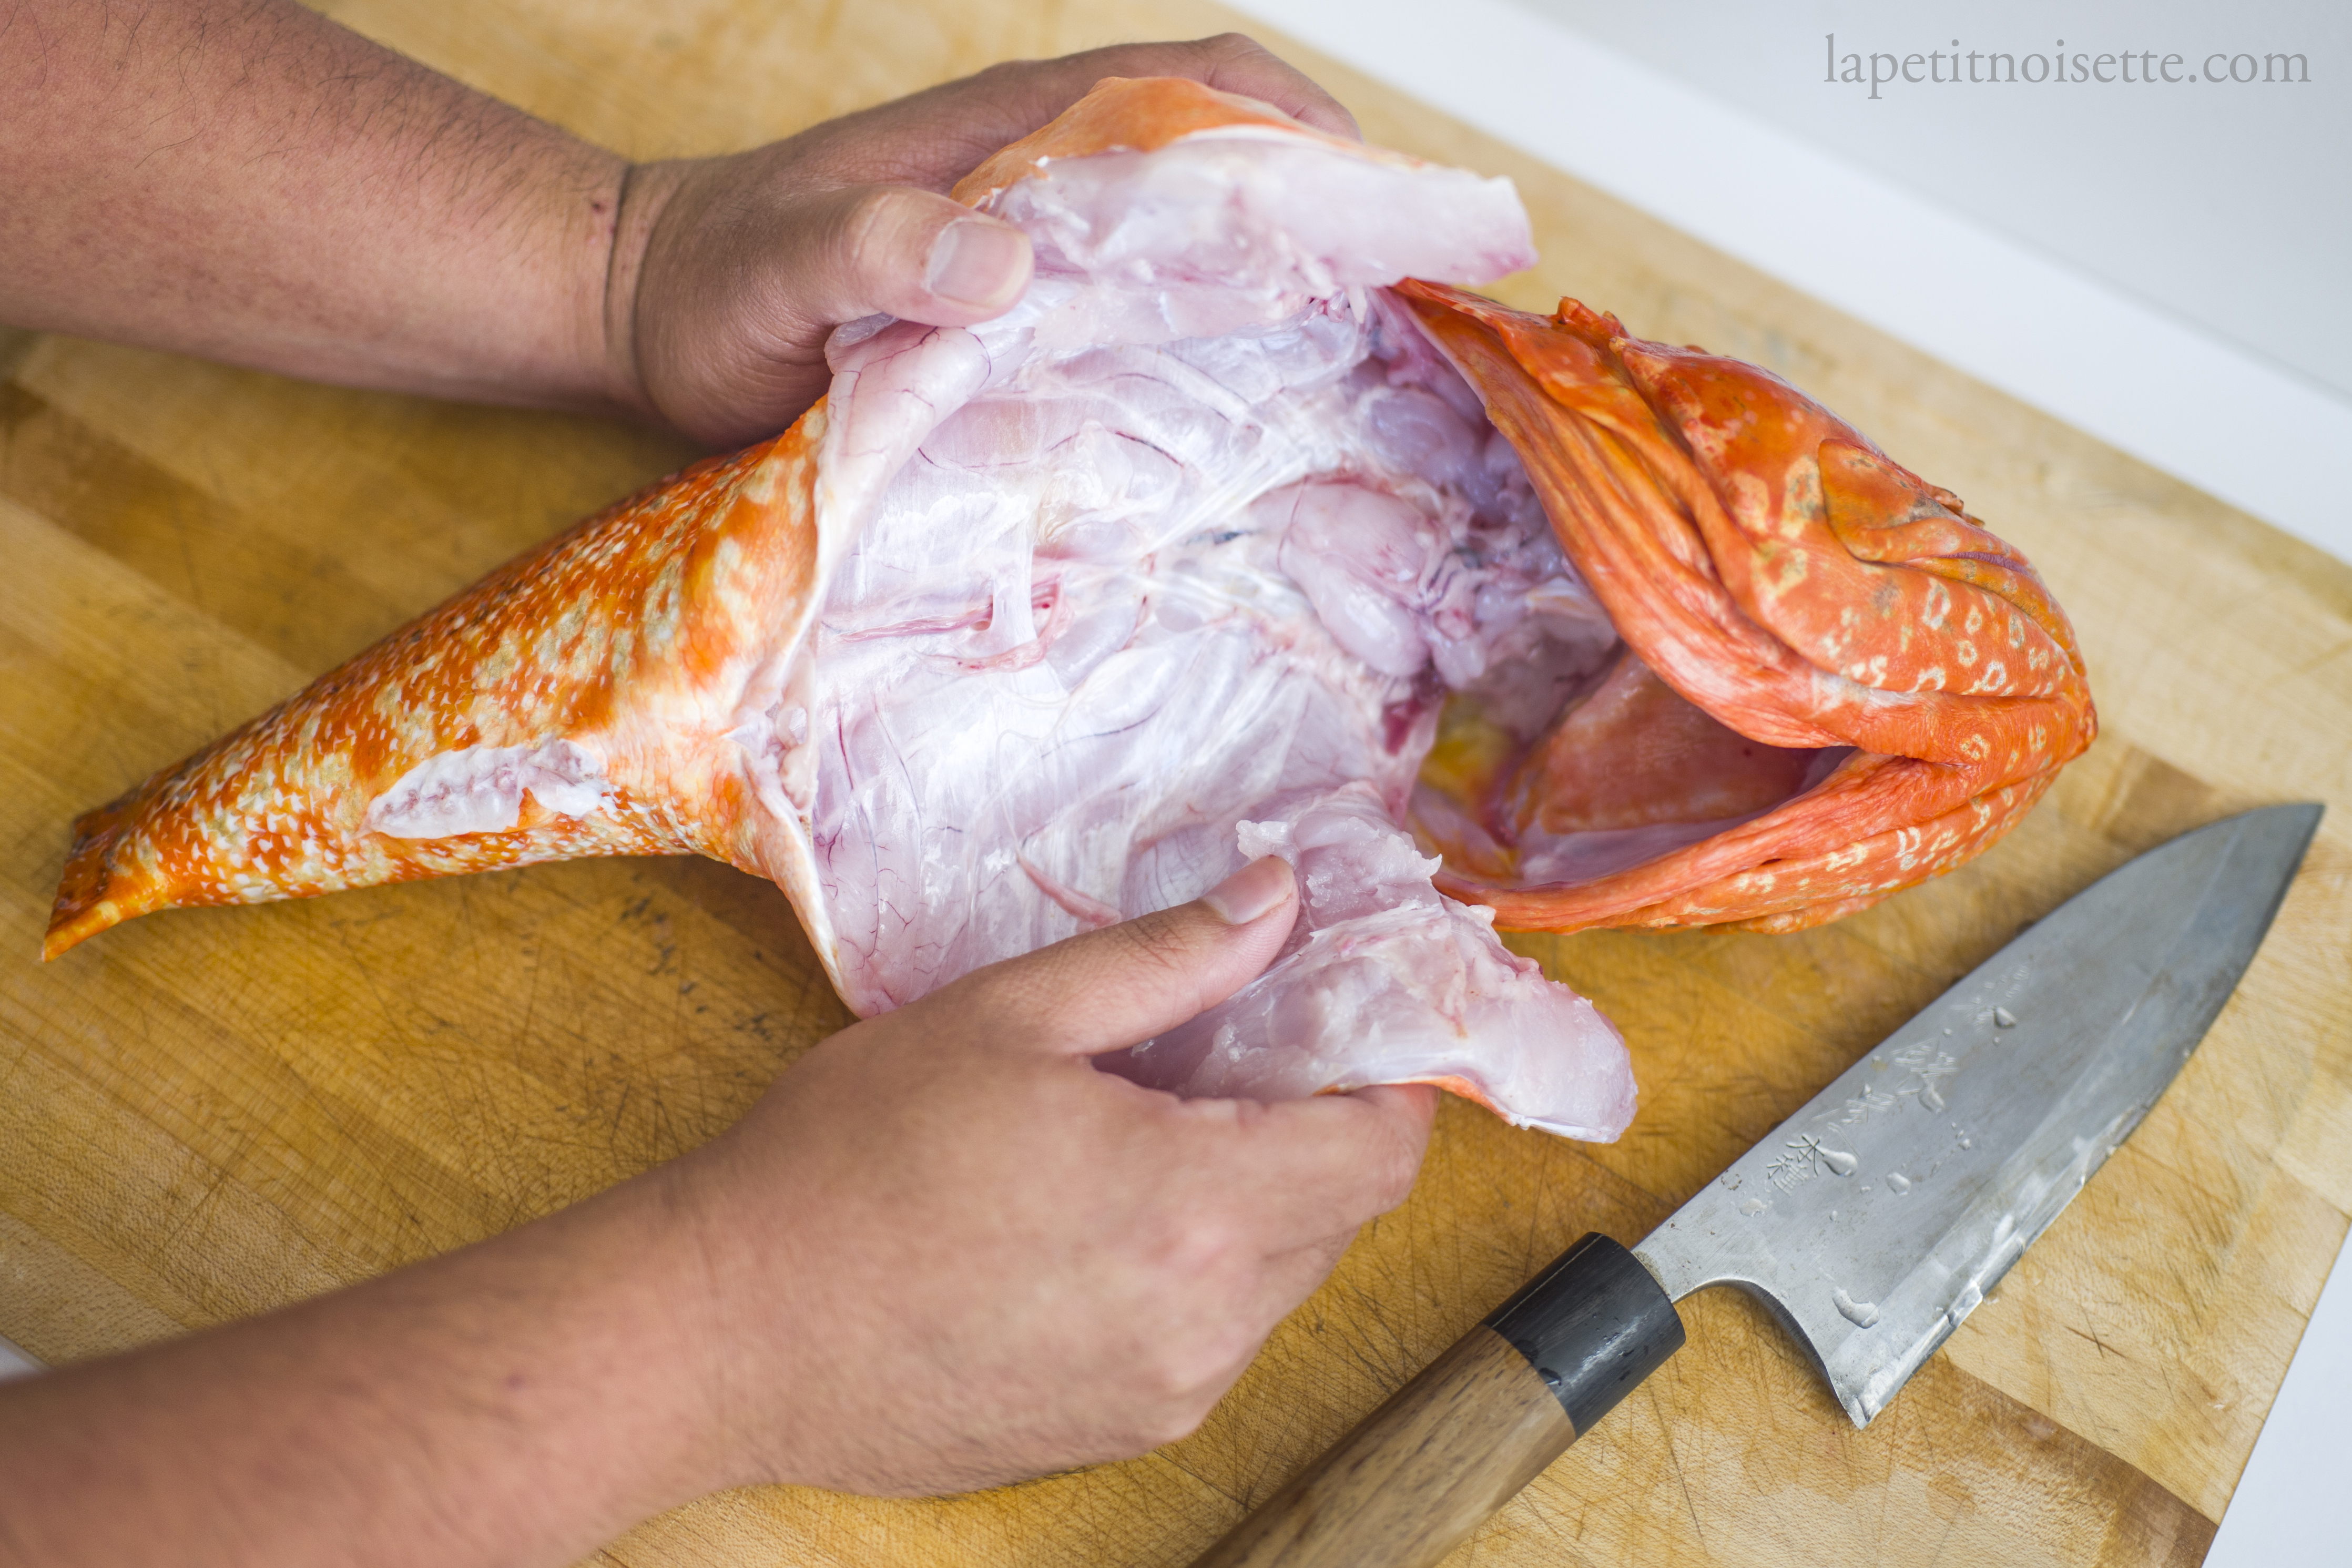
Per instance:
x=2051, y=248
x=2226, y=206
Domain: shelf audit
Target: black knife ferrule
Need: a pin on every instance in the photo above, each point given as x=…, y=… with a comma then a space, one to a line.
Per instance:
x=1592, y=1325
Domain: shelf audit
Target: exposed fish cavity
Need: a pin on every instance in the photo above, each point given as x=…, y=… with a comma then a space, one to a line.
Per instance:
x=1200, y=535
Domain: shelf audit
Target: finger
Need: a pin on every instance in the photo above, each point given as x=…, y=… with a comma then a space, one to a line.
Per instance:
x=748, y=285
x=1118, y=986
x=1316, y=1168
x=1230, y=62
x=1287, y=1278
x=1239, y=63
x=1210, y=1337
x=795, y=267
x=969, y=119
x=913, y=254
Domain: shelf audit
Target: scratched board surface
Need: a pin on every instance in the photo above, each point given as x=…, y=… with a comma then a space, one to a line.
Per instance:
x=207, y=1113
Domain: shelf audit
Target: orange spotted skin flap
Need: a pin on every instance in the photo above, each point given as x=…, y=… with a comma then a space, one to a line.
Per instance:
x=1779, y=572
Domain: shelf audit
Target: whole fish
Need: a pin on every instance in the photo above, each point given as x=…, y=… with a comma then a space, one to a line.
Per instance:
x=1245, y=532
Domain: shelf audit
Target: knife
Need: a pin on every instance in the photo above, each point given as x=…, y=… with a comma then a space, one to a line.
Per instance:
x=1870, y=1223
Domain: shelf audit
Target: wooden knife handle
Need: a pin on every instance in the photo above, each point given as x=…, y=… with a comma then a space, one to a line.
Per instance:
x=1449, y=1448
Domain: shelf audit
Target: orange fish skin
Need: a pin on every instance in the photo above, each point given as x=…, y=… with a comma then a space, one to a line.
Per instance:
x=1785, y=577
x=641, y=634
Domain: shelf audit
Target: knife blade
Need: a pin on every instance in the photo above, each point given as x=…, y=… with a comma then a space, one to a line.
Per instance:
x=1871, y=1223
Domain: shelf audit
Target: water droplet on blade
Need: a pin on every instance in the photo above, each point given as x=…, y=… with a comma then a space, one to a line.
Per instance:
x=1898, y=1181
x=1753, y=1206
x=1861, y=1314
x=1841, y=1162
x=1930, y=1099
x=2004, y=1019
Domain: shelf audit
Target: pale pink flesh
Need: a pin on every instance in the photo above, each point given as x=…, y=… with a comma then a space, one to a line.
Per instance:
x=1125, y=607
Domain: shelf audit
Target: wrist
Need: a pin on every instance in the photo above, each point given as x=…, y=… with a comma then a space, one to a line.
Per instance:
x=744, y=1328
x=642, y=196
x=665, y=1232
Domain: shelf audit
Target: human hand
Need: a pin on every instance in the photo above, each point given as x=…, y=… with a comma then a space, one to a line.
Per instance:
x=942, y=1251
x=945, y=1251
x=728, y=273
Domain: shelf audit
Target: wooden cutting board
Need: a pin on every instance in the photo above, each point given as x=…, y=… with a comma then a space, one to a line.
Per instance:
x=207, y=1113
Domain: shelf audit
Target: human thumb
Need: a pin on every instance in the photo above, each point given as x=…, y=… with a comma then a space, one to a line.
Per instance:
x=741, y=282
x=1120, y=985
x=913, y=254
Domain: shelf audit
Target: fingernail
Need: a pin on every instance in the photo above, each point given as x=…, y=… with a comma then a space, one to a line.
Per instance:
x=1250, y=891
x=975, y=262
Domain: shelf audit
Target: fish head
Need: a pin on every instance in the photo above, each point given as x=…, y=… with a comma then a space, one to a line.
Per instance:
x=1835, y=681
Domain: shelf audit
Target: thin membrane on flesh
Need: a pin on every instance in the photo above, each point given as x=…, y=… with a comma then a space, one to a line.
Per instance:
x=1173, y=566
x=481, y=789
x=1385, y=980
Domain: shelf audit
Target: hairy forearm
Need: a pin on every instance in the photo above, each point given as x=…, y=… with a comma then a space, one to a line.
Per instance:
x=248, y=181
x=518, y=1403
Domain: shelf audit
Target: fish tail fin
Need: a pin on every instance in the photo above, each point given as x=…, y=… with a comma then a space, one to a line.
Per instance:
x=94, y=893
